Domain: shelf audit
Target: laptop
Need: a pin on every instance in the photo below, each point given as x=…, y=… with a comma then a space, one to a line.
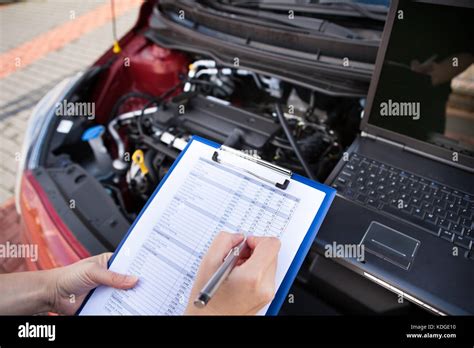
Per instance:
x=405, y=187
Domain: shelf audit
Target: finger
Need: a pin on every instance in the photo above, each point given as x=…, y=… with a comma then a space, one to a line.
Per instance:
x=264, y=252
x=102, y=259
x=252, y=241
x=244, y=255
x=221, y=246
x=102, y=276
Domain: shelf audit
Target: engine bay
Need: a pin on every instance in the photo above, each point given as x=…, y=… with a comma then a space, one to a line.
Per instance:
x=131, y=145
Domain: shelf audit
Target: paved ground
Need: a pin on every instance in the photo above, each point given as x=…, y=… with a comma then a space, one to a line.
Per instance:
x=41, y=42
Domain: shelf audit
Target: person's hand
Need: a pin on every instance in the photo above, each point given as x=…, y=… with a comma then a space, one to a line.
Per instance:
x=68, y=286
x=445, y=70
x=249, y=286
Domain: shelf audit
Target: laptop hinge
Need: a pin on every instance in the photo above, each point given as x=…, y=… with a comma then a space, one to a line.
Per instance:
x=383, y=140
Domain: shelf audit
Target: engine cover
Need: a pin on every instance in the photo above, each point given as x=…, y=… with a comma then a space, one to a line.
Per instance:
x=217, y=121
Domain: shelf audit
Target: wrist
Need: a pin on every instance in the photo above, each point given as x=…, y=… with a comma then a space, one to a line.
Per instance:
x=45, y=296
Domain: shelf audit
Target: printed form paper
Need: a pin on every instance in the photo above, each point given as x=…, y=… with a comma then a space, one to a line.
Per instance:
x=197, y=201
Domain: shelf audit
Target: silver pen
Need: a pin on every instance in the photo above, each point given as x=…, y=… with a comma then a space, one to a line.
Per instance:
x=220, y=275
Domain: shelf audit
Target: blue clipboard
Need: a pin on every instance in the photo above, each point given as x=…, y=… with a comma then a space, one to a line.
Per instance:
x=300, y=255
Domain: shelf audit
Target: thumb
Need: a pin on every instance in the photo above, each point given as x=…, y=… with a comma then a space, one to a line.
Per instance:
x=102, y=276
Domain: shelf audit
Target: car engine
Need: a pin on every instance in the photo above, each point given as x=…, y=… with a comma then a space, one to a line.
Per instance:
x=294, y=127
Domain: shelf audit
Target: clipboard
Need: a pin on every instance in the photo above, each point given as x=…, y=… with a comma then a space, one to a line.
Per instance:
x=310, y=235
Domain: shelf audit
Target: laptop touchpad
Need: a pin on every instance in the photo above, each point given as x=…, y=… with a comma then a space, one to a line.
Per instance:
x=390, y=245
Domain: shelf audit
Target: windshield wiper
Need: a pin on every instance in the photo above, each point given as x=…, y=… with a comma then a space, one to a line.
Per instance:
x=359, y=8
x=252, y=31
x=311, y=25
x=326, y=7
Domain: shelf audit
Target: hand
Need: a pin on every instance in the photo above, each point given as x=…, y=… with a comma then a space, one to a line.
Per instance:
x=249, y=286
x=68, y=286
x=445, y=70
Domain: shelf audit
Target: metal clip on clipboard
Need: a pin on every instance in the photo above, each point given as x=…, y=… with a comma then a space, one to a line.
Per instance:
x=282, y=171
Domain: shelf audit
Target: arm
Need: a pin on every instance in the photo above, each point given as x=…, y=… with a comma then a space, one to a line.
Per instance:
x=24, y=293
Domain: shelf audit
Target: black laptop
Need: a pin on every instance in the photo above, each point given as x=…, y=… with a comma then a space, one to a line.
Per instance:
x=406, y=185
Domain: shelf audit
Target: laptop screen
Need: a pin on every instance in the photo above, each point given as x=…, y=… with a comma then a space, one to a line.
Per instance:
x=426, y=85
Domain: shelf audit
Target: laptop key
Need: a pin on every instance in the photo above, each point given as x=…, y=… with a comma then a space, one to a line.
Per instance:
x=346, y=173
x=463, y=242
x=469, y=254
x=440, y=203
x=449, y=236
x=465, y=214
x=468, y=233
x=415, y=202
x=457, y=229
x=383, y=198
x=441, y=213
x=373, y=194
x=462, y=204
x=427, y=190
x=361, y=198
x=373, y=203
x=427, y=207
x=446, y=189
x=452, y=208
x=418, y=213
x=468, y=198
x=350, y=166
x=427, y=198
x=450, y=198
x=349, y=193
x=467, y=223
x=431, y=218
x=443, y=223
x=414, y=185
x=453, y=217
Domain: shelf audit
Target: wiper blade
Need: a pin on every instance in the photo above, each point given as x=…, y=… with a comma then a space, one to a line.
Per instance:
x=325, y=7
x=249, y=31
x=359, y=8
x=310, y=25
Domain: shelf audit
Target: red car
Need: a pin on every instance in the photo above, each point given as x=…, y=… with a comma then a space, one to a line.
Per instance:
x=89, y=139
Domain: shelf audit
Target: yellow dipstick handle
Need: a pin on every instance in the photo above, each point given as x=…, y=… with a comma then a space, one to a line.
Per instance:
x=116, y=48
x=139, y=158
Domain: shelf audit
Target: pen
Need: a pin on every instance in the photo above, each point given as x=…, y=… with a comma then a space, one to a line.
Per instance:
x=220, y=275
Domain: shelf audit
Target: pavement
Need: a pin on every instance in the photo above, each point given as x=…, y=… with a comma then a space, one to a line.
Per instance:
x=41, y=43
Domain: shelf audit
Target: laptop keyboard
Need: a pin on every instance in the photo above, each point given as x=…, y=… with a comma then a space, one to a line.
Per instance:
x=439, y=209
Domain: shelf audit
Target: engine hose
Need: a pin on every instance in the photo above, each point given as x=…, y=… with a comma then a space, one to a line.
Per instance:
x=292, y=141
x=149, y=157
